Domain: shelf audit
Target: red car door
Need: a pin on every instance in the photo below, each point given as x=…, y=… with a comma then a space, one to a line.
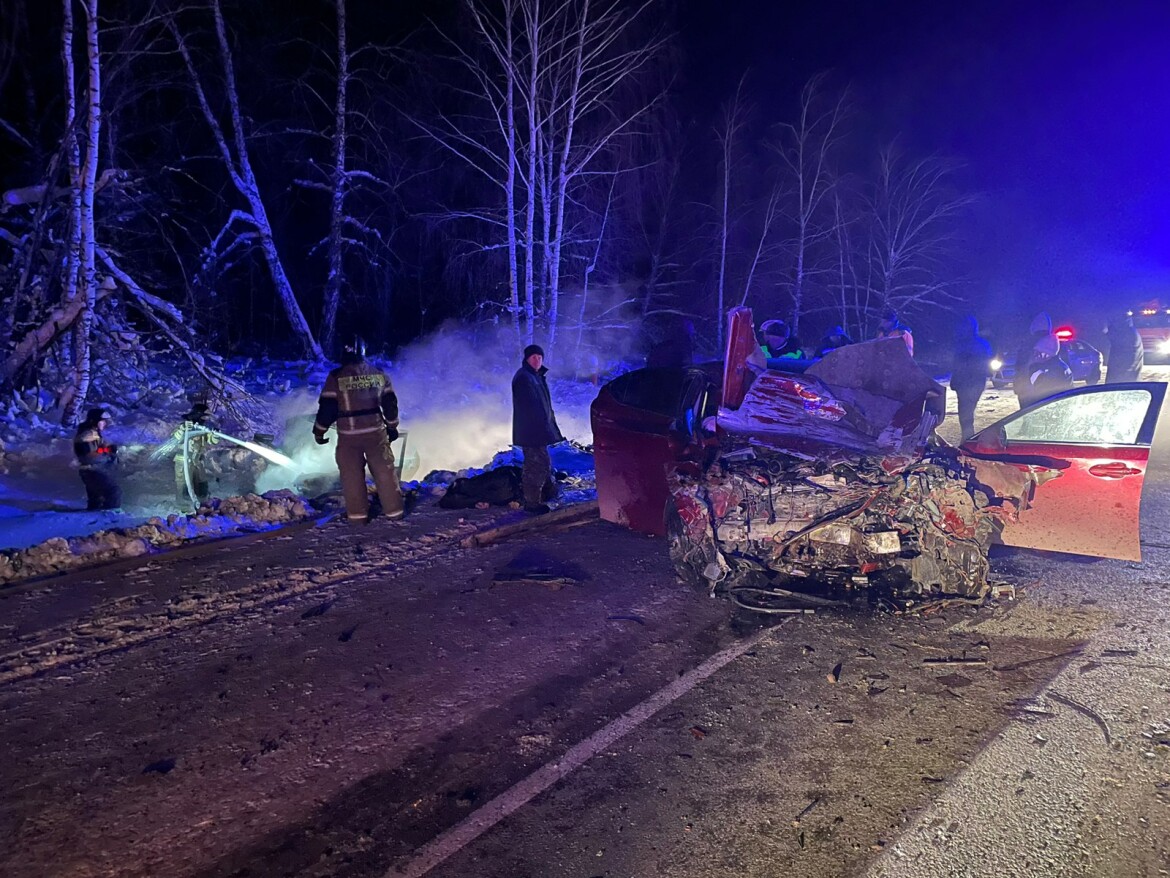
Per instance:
x=1088, y=449
x=635, y=421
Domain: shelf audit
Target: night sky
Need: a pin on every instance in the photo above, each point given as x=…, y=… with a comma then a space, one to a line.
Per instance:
x=1058, y=112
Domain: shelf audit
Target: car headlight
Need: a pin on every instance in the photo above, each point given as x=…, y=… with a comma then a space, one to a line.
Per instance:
x=1164, y=346
x=996, y=365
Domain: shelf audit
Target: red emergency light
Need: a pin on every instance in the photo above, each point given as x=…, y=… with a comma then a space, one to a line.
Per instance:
x=1064, y=333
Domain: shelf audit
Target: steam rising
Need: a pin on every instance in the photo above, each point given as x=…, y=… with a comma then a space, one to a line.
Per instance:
x=455, y=400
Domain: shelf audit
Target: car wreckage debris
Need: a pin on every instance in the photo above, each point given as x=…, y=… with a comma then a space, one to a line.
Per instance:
x=921, y=527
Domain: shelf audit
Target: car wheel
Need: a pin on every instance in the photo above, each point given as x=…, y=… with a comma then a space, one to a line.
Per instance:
x=1093, y=377
x=690, y=559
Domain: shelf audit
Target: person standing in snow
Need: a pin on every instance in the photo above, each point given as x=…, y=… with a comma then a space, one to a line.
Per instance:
x=97, y=462
x=1127, y=356
x=190, y=459
x=969, y=370
x=534, y=428
x=892, y=327
x=359, y=398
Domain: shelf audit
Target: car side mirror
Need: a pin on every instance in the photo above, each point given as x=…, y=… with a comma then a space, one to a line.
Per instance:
x=994, y=438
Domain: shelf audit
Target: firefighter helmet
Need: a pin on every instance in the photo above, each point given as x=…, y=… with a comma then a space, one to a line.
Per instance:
x=355, y=349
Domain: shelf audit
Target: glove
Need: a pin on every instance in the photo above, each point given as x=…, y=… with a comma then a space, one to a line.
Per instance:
x=320, y=439
x=391, y=433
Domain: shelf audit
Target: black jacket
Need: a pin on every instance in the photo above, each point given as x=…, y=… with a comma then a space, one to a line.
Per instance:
x=972, y=360
x=1126, y=354
x=533, y=421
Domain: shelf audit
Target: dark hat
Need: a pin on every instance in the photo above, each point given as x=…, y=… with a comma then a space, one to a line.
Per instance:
x=533, y=349
x=94, y=415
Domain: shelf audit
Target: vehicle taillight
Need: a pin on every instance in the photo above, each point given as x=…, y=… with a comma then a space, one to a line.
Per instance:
x=1064, y=333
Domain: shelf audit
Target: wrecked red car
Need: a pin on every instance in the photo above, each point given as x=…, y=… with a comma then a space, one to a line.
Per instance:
x=835, y=476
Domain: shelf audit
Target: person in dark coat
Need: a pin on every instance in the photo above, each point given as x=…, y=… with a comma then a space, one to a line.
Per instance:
x=969, y=370
x=97, y=462
x=1127, y=357
x=534, y=429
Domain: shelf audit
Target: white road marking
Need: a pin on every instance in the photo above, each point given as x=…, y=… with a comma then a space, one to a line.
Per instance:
x=476, y=824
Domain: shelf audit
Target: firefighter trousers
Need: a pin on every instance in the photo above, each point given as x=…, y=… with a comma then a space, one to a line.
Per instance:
x=354, y=454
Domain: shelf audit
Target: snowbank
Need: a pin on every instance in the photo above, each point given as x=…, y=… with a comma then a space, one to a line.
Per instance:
x=218, y=518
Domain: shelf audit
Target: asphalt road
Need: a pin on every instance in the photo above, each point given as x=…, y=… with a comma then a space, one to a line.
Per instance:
x=372, y=702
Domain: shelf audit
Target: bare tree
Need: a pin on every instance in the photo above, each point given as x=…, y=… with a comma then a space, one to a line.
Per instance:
x=243, y=226
x=552, y=84
x=806, y=149
x=728, y=133
x=912, y=209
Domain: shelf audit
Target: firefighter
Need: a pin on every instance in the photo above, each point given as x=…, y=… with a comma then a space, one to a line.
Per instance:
x=360, y=400
x=892, y=327
x=193, y=456
x=97, y=462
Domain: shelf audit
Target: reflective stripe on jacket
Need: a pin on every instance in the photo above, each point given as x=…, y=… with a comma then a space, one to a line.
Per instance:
x=359, y=398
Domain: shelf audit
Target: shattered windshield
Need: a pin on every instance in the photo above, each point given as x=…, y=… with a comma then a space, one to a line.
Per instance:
x=1111, y=417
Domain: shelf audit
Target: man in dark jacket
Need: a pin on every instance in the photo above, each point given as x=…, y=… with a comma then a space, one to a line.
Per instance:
x=359, y=398
x=534, y=428
x=1127, y=357
x=97, y=462
x=972, y=361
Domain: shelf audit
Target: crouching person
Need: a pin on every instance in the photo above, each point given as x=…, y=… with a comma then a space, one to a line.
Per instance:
x=534, y=429
x=360, y=400
x=98, y=462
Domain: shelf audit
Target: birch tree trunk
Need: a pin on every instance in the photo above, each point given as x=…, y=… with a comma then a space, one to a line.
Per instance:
x=338, y=186
x=239, y=168
x=731, y=123
x=510, y=181
x=72, y=260
x=807, y=149
x=533, y=25
x=74, y=397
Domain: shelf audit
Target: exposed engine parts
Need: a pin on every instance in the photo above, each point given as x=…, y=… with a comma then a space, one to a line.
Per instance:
x=845, y=521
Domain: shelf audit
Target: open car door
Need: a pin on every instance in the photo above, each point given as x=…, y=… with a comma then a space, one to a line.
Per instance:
x=1087, y=451
x=643, y=423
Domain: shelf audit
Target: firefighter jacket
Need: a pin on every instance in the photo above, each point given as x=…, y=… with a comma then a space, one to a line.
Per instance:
x=359, y=398
x=93, y=452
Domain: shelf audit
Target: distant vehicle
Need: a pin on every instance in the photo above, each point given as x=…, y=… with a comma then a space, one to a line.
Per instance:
x=1153, y=325
x=1083, y=360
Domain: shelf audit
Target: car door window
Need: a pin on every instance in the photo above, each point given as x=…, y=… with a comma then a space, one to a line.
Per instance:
x=1112, y=417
